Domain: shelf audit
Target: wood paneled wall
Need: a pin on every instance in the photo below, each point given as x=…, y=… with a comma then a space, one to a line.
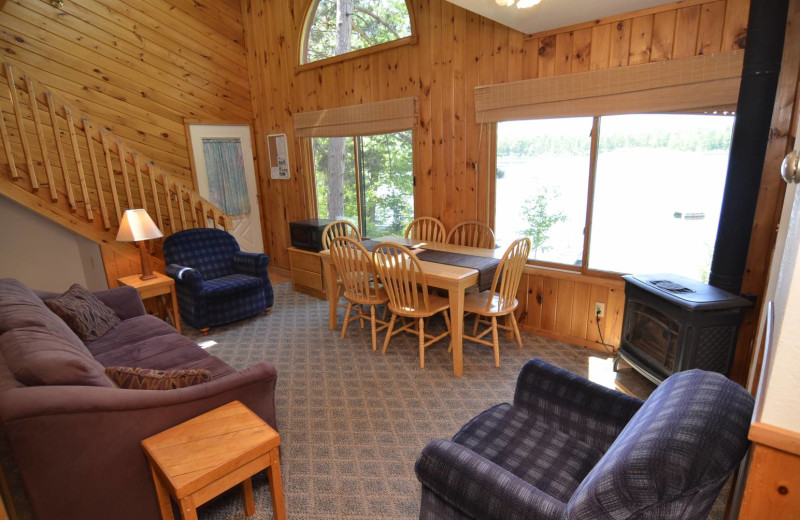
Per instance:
x=457, y=50
x=136, y=67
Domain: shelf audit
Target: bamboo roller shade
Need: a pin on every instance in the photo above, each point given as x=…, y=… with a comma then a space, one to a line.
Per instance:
x=380, y=117
x=680, y=84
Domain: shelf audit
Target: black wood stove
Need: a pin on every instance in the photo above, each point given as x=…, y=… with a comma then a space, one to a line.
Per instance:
x=672, y=323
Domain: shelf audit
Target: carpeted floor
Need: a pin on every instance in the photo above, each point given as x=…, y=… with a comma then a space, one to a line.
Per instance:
x=352, y=421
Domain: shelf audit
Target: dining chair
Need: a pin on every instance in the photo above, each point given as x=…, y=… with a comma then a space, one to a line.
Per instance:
x=473, y=234
x=501, y=299
x=428, y=229
x=339, y=228
x=403, y=279
x=360, y=282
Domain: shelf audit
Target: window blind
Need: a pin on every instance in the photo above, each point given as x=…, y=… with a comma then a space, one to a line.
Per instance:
x=682, y=84
x=380, y=117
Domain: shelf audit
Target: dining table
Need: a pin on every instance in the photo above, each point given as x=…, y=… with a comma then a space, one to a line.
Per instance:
x=451, y=278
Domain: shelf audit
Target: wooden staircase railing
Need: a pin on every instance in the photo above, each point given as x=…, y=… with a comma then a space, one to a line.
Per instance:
x=62, y=165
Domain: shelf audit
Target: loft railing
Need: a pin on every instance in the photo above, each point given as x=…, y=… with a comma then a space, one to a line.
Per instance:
x=68, y=161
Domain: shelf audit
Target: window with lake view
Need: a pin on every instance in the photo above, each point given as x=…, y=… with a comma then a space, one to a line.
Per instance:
x=656, y=190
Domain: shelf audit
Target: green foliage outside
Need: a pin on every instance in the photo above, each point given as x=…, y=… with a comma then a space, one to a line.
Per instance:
x=386, y=163
x=373, y=22
x=539, y=220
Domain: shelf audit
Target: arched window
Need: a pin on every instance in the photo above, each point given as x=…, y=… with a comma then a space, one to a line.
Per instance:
x=336, y=27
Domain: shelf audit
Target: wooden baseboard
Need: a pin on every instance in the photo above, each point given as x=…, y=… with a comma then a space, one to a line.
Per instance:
x=580, y=342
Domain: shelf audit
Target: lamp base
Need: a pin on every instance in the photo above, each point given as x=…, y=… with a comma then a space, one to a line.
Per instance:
x=147, y=276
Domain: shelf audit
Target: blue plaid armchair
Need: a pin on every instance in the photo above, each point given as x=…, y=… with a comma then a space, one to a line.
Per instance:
x=215, y=281
x=570, y=449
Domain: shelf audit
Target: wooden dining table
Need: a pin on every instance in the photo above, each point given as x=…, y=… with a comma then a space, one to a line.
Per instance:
x=454, y=279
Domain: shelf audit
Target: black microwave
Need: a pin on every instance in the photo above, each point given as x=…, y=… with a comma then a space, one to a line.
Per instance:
x=307, y=234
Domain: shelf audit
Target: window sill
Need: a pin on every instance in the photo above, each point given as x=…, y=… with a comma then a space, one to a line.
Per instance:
x=594, y=277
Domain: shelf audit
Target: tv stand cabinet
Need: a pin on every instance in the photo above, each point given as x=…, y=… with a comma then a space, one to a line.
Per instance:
x=307, y=274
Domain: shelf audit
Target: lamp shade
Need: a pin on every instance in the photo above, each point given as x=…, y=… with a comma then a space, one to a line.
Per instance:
x=137, y=225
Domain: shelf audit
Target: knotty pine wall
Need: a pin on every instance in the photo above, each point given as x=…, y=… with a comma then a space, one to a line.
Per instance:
x=457, y=50
x=138, y=67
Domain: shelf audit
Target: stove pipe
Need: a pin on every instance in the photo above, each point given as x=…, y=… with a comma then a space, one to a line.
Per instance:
x=762, y=64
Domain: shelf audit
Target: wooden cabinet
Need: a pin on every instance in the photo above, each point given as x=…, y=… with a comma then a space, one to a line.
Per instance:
x=307, y=272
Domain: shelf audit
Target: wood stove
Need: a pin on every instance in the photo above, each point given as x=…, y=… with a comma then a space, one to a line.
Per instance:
x=672, y=323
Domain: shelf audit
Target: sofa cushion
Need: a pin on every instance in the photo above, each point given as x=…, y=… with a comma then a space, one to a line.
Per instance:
x=504, y=435
x=85, y=314
x=231, y=285
x=213, y=364
x=167, y=352
x=127, y=332
x=20, y=308
x=149, y=379
x=37, y=357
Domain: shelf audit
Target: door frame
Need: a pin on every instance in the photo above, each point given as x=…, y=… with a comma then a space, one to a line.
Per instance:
x=259, y=180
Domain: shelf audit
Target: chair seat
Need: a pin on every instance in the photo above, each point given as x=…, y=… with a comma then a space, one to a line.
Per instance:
x=505, y=435
x=231, y=285
x=377, y=297
x=437, y=304
x=477, y=303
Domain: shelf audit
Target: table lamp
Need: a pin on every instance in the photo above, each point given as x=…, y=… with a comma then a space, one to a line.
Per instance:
x=137, y=226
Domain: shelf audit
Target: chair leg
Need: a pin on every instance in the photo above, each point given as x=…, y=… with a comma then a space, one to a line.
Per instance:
x=389, y=332
x=266, y=311
x=421, y=327
x=475, y=326
x=495, y=342
x=372, y=323
x=516, y=329
x=361, y=315
x=346, y=317
x=204, y=330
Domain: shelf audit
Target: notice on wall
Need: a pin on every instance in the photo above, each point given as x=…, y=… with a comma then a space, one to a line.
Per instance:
x=278, y=156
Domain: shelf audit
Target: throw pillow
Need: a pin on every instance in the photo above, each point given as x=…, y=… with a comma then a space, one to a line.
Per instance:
x=85, y=314
x=150, y=379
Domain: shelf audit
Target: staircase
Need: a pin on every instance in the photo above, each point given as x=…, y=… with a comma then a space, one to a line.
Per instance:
x=59, y=164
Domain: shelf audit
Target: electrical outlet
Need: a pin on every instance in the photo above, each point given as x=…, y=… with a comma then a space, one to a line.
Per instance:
x=599, y=309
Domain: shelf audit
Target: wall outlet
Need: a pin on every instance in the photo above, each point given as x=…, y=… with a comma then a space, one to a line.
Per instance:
x=599, y=309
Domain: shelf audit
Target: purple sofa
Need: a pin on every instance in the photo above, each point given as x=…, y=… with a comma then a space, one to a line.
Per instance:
x=70, y=439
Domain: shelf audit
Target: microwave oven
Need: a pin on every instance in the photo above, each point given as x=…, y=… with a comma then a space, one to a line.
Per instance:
x=307, y=234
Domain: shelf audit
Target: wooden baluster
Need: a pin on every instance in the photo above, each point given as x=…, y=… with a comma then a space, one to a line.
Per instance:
x=62, y=159
x=112, y=180
x=165, y=180
x=126, y=180
x=193, y=202
x=179, y=191
x=204, y=210
x=93, y=160
x=151, y=171
x=138, y=167
x=87, y=203
x=37, y=123
x=23, y=134
x=227, y=224
x=7, y=147
x=212, y=217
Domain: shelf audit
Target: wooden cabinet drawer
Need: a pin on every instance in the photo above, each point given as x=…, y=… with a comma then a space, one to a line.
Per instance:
x=308, y=279
x=306, y=260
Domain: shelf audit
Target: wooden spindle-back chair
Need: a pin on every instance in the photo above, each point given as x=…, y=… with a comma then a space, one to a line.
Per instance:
x=403, y=278
x=339, y=228
x=501, y=299
x=427, y=229
x=473, y=234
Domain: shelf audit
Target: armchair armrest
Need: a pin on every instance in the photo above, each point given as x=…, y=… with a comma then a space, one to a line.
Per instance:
x=584, y=410
x=253, y=264
x=481, y=488
x=187, y=277
x=125, y=301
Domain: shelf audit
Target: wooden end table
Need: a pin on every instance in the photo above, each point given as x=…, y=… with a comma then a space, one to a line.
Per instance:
x=199, y=459
x=158, y=286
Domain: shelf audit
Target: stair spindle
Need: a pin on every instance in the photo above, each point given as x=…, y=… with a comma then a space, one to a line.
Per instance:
x=62, y=159
x=126, y=180
x=165, y=180
x=92, y=159
x=151, y=171
x=138, y=167
x=7, y=147
x=37, y=123
x=110, y=168
x=23, y=134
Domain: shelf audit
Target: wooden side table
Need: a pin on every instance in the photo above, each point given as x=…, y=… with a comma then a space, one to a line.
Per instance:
x=199, y=459
x=158, y=286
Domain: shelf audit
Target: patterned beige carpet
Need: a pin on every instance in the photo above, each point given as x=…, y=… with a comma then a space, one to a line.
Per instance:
x=352, y=421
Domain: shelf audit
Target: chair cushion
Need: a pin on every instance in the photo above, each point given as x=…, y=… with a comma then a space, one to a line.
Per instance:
x=85, y=314
x=38, y=357
x=542, y=456
x=149, y=379
x=231, y=285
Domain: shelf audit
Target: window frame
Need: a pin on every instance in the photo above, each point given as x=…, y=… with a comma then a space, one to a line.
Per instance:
x=303, y=36
x=582, y=269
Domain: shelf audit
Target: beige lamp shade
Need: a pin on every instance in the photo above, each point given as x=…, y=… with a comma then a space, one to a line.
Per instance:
x=137, y=225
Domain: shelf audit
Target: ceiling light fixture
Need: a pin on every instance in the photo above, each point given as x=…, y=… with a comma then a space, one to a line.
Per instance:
x=504, y=3
x=522, y=4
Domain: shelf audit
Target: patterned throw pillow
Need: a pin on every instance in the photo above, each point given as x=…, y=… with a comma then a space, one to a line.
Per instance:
x=85, y=314
x=150, y=379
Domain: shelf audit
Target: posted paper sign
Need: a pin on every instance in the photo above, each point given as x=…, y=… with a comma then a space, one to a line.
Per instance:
x=278, y=156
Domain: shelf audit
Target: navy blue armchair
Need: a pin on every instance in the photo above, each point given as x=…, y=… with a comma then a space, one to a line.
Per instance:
x=568, y=449
x=215, y=281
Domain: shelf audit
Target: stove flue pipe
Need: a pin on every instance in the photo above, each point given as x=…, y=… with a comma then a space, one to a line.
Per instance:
x=762, y=64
